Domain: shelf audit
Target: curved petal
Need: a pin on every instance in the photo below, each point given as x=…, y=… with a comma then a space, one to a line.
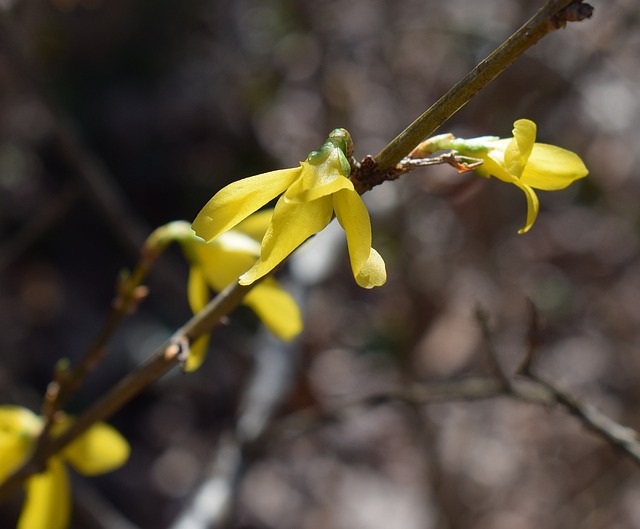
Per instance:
x=19, y=428
x=197, y=353
x=291, y=225
x=367, y=265
x=552, y=168
x=533, y=206
x=239, y=199
x=197, y=289
x=519, y=148
x=225, y=258
x=255, y=226
x=48, y=501
x=319, y=180
x=276, y=309
x=373, y=273
x=100, y=449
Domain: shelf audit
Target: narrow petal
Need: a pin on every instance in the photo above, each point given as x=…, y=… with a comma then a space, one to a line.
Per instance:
x=238, y=200
x=292, y=224
x=225, y=258
x=48, y=501
x=367, y=265
x=552, y=168
x=197, y=353
x=533, y=206
x=197, y=289
x=255, y=226
x=276, y=309
x=319, y=180
x=519, y=148
x=100, y=449
x=19, y=428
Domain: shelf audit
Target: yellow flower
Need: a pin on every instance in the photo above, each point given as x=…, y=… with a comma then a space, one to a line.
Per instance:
x=217, y=264
x=48, y=499
x=519, y=161
x=311, y=194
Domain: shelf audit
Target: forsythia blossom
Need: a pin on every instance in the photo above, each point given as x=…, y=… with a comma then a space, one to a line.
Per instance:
x=518, y=160
x=217, y=264
x=311, y=194
x=48, y=499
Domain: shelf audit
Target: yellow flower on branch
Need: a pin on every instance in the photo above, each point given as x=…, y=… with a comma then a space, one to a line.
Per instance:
x=311, y=194
x=518, y=160
x=47, y=505
x=217, y=264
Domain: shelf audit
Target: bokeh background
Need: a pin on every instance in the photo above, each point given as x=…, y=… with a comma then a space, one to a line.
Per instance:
x=173, y=100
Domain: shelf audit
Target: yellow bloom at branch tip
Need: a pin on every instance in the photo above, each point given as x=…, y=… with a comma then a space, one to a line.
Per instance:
x=47, y=505
x=309, y=196
x=218, y=263
x=519, y=161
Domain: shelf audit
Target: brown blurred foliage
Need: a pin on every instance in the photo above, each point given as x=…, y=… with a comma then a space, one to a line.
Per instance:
x=177, y=99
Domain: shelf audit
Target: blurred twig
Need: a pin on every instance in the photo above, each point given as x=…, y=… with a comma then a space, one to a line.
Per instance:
x=49, y=214
x=96, y=182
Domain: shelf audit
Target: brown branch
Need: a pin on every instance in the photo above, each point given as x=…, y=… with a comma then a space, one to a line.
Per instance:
x=167, y=356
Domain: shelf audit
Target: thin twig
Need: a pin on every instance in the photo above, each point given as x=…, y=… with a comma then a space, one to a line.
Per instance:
x=167, y=356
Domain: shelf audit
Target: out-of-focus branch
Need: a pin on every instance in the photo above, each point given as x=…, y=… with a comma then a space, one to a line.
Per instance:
x=96, y=182
x=525, y=389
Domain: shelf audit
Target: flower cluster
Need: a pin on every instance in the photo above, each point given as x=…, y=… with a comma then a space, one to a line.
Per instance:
x=99, y=450
x=518, y=160
x=218, y=263
x=310, y=195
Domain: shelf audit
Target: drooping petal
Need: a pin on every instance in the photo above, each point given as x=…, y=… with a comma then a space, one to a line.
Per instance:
x=367, y=265
x=48, y=501
x=373, y=273
x=552, y=168
x=255, y=226
x=197, y=289
x=19, y=428
x=199, y=295
x=100, y=449
x=239, y=199
x=276, y=309
x=197, y=353
x=519, y=148
x=533, y=206
x=291, y=225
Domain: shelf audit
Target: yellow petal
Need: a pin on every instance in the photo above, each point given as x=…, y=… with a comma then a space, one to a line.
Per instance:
x=552, y=167
x=276, y=309
x=255, y=226
x=238, y=200
x=373, y=273
x=19, y=428
x=226, y=257
x=533, y=206
x=48, y=501
x=319, y=180
x=367, y=265
x=197, y=289
x=100, y=449
x=519, y=148
x=197, y=353
x=292, y=224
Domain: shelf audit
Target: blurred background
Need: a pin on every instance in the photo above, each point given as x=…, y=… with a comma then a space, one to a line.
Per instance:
x=170, y=101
